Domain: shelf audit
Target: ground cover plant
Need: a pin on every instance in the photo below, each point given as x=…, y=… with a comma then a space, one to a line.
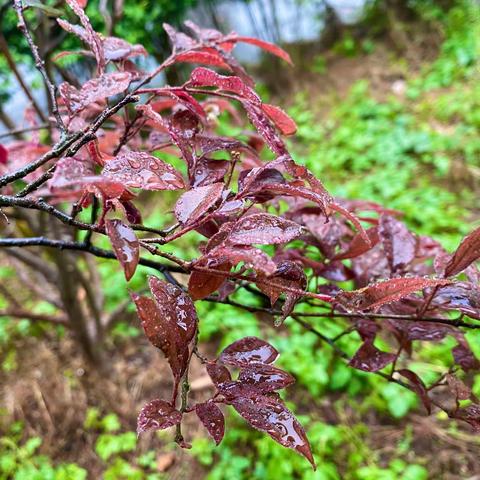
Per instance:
x=342, y=259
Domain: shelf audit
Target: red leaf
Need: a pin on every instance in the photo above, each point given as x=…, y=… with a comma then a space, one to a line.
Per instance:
x=281, y=120
x=263, y=228
x=467, y=253
x=3, y=155
x=69, y=172
x=92, y=38
x=463, y=296
x=251, y=257
x=219, y=374
x=125, y=245
x=267, y=46
x=205, y=58
x=117, y=49
x=370, y=359
x=463, y=356
x=212, y=418
x=470, y=414
x=457, y=387
x=270, y=415
x=176, y=306
x=94, y=90
x=289, y=274
x=194, y=203
x=389, y=291
x=142, y=170
x=204, y=77
x=399, y=244
x=202, y=284
x=264, y=378
x=248, y=350
x=179, y=40
x=419, y=387
x=162, y=334
x=157, y=415
x=358, y=246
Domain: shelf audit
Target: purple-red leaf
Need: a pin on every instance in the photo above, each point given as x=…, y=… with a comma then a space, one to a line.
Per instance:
x=92, y=38
x=194, y=203
x=201, y=284
x=94, y=90
x=265, y=229
x=389, y=291
x=358, y=246
x=267, y=46
x=264, y=378
x=176, y=307
x=219, y=374
x=3, y=155
x=205, y=58
x=418, y=387
x=470, y=414
x=142, y=170
x=252, y=258
x=248, y=350
x=157, y=415
x=290, y=275
x=370, y=359
x=281, y=120
x=271, y=416
x=125, y=245
x=161, y=334
x=457, y=387
x=398, y=243
x=204, y=77
x=467, y=252
x=212, y=418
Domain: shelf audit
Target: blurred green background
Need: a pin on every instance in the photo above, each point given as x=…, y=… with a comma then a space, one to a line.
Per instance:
x=388, y=109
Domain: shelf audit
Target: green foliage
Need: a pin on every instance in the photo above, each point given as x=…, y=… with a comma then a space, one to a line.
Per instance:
x=21, y=460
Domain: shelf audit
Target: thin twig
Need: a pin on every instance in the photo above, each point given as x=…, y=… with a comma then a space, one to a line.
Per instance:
x=40, y=64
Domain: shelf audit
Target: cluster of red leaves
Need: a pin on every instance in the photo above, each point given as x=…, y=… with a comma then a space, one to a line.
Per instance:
x=234, y=202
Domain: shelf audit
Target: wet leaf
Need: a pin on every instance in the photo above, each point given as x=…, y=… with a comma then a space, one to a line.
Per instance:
x=219, y=374
x=212, y=418
x=91, y=38
x=142, y=170
x=358, y=246
x=288, y=274
x=281, y=120
x=94, y=90
x=196, y=202
x=264, y=378
x=204, y=77
x=252, y=258
x=370, y=359
x=157, y=415
x=457, y=387
x=265, y=229
x=125, y=245
x=470, y=414
x=268, y=47
x=467, y=253
x=398, y=243
x=248, y=350
x=418, y=387
x=202, y=284
x=270, y=415
x=162, y=334
x=385, y=292
x=176, y=307
x=202, y=57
